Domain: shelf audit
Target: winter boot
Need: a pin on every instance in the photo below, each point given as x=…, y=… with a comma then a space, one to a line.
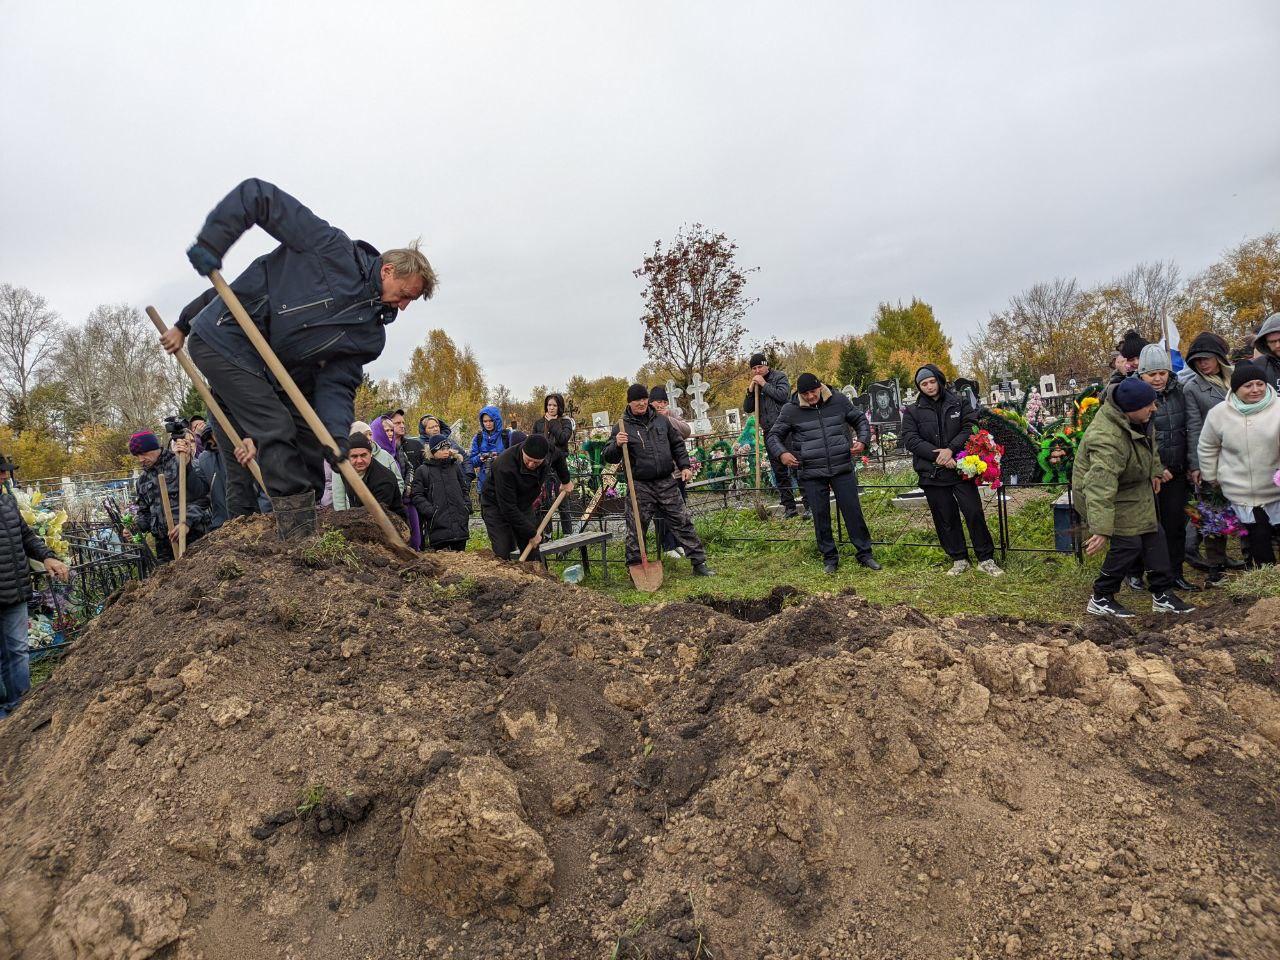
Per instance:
x=295, y=516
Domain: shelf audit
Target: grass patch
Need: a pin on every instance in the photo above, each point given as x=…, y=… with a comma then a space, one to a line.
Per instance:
x=311, y=798
x=330, y=549
x=1255, y=584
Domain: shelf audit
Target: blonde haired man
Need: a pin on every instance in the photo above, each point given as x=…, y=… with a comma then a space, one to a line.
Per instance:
x=322, y=300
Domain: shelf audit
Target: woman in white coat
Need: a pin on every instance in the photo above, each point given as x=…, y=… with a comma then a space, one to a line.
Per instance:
x=1240, y=452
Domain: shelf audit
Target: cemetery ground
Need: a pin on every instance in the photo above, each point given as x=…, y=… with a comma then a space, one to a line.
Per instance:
x=317, y=749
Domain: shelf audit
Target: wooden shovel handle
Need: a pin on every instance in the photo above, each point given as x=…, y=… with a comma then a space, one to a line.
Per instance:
x=182, y=504
x=349, y=475
x=212, y=405
x=631, y=492
x=543, y=525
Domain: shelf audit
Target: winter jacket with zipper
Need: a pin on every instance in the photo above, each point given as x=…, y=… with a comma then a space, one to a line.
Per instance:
x=17, y=543
x=151, y=507
x=932, y=423
x=819, y=435
x=1242, y=453
x=210, y=466
x=773, y=395
x=656, y=448
x=558, y=431
x=1266, y=359
x=317, y=298
x=441, y=501
x=1202, y=396
x=1171, y=423
x=512, y=489
x=1111, y=479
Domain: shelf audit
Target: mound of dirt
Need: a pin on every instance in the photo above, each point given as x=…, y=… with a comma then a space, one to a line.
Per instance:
x=319, y=751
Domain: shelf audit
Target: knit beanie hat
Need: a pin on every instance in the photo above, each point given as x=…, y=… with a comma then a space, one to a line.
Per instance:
x=806, y=382
x=757, y=359
x=924, y=373
x=1245, y=372
x=436, y=441
x=637, y=391
x=361, y=427
x=143, y=442
x=658, y=393
x=1133, y=394
x=1154, y=358
x=1130, y=345
x=359, y=441
x=536, y=446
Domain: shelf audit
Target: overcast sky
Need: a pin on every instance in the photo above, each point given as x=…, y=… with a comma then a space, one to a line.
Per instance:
x=857, y=152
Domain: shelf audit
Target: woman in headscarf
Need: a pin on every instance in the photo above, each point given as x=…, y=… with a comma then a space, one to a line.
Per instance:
x=1240, y=452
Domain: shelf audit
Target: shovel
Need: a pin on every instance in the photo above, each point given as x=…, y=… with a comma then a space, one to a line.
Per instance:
x=646, y=576
x=164, y=502
x=545, y=520
x=182, y=504
x=206, y=395
x=349, y=475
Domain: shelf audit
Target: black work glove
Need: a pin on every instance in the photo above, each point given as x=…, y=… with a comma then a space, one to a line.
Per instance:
x=203, y=259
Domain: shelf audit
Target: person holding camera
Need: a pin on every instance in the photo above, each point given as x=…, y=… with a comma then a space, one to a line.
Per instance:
x=161, y=466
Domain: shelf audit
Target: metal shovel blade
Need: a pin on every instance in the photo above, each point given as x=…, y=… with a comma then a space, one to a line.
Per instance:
x=646, y=576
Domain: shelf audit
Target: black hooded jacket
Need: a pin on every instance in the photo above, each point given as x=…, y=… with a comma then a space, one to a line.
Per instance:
x=775, y=392
x=819, y=435
x=17, y=543
x=511, y=490
x=441, y=501
x=935, y=422
x=657, y=449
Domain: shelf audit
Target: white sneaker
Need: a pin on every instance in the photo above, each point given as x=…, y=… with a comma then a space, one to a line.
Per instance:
x=990, y=569
x=957, y=568
x=676, y=554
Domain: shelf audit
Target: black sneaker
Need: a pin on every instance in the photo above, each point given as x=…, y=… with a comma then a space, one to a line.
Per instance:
x=830, y=568
x=1185, y=585
x=1169, y=603
x=702, y=570
x=1107, y=607
x=1215, y=578
x=1135, y=583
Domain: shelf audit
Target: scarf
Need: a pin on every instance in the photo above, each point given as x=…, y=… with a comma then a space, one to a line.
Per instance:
x=1222, y=380
x=1248, y=409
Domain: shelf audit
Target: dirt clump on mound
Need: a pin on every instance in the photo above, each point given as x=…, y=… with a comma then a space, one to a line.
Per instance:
x=315, y=750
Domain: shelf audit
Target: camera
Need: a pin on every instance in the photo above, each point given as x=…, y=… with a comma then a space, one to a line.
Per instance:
x=177, y=427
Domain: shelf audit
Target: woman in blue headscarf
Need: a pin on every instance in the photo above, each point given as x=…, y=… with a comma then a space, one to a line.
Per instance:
x=488, y=443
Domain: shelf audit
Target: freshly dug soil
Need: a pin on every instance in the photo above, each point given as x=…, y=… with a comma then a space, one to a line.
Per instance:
x=319, y=751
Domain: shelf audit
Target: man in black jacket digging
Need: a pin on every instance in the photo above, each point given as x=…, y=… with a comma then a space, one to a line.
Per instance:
x=775, y=391
x=657, y=451
x=322, y=301
x=17, y=544
x=812, y=435
x=515, y=482
x=935, y=430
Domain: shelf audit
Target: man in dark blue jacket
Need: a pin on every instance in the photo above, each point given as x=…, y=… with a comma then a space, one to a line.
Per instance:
x=775, y=391
x=819, y=432
x=322, y=301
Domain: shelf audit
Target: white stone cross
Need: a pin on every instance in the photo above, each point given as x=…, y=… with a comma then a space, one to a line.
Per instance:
x=673, y=394
x=696, y=389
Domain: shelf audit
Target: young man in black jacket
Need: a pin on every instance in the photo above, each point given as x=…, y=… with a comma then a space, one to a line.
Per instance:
x=775, y=390
x=657, y=452
x=322, y=301
x=18, y=543
x=440, y=497
x=515, y=481
x=812, y=435
x=935, y=430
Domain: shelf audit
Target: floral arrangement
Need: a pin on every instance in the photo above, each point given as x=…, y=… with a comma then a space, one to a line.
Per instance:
x=981, y=459
x=1036, y=412
x=1056, y=455
x=46, y=524
x=1014, y=417
x=1213, y=515
x=1276, y=479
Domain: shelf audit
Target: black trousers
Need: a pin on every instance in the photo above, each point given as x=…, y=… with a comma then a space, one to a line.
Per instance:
x=783, y=482
x=1171, y=511
x=948, y=504
x=660, y=499
x=817, y=494
x=1148, y=550
x=289, y=455
x=1259, y=549
x=502, y=538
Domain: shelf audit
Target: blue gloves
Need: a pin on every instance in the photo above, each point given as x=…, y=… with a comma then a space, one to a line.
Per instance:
x=203, y=259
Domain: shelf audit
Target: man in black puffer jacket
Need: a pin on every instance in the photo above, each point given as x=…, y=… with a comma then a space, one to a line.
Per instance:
x=935, y=429
x=656, y=451
x=17, y=544
x=440, y=497
x=1172, y=442
x=775, y=392
x=812, y=434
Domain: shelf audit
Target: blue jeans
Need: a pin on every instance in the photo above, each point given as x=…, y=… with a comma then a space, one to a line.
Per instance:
x=15, y=664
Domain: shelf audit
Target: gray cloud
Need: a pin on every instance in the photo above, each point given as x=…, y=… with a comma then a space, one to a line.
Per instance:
x=857, y=153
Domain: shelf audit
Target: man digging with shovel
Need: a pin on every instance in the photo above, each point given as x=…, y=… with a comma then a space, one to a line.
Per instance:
x=516, y=479
x=321, y=300
x=656, y=450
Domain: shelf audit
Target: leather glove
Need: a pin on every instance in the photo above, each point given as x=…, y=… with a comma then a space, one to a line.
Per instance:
x=203, y=259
